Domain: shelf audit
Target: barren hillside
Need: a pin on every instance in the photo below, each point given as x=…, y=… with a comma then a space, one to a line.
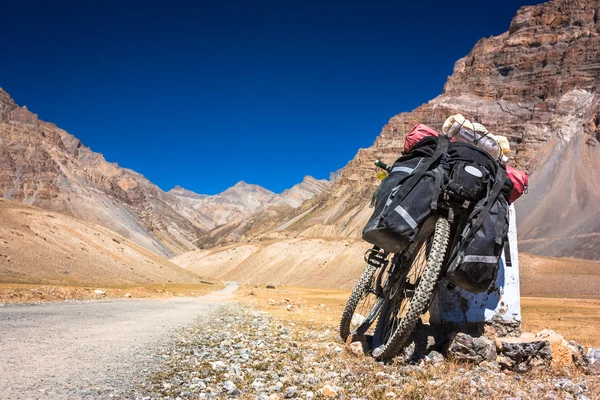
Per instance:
x=38, y=246
x=337, y=264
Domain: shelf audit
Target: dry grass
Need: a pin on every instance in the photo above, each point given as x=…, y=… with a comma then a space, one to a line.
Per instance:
x=575, y=319
x=29, y=293
x=319, y=306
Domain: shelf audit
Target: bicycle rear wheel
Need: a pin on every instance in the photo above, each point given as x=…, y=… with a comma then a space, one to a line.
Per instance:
x=408, y=297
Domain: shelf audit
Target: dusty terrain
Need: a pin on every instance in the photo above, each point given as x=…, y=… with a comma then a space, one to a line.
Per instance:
x=48, y=248
x=304, y=262
x=90, y=350
x=337, y=264
x=559, y=277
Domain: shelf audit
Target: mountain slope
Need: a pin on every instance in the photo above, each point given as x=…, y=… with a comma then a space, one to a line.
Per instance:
x=538, y=85
x=43, y=247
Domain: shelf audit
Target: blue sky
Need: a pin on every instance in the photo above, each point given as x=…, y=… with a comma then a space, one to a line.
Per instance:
x=205, y=94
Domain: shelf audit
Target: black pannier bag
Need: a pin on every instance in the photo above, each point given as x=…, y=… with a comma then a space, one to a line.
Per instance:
x=403, y=200
x=475, y=265
x=472, y=172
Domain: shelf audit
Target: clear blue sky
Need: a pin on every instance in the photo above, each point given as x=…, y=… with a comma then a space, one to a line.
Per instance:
x=204, y=94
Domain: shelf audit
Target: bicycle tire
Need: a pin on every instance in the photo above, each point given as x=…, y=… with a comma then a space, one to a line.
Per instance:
x=424, y=292
x=363, y=284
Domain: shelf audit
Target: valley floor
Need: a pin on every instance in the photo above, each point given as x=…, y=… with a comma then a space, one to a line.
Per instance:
x=11, y=293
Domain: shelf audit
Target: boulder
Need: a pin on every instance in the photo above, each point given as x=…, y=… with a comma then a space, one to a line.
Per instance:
x=563, y=352
x=357, y=345
x=590, y=362
x=522, y=353
x=463, y=347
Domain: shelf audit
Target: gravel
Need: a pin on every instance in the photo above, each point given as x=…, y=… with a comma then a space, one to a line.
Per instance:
x=246, y=353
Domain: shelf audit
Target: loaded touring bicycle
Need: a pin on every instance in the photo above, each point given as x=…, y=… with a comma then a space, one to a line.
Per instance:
x=441, y=211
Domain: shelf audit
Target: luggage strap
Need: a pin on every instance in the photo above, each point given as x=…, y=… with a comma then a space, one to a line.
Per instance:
x=490, y=199
x=418, y=172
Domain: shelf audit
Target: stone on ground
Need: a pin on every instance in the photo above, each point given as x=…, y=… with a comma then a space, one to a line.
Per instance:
x=357, y=345
x=522, y=353
x=463, y=347
x=563, y=353
x=330, y=391
x=357, y=348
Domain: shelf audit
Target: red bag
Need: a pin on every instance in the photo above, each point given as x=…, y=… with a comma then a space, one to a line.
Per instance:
x=520, y=182
x=417, y=133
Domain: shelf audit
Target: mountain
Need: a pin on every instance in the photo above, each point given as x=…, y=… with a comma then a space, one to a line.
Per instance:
x=44, y=166
x=243, y=200
x=264, y=217
x=237, y=201
x=537, y=84
x=187, y=194
x=299, y=193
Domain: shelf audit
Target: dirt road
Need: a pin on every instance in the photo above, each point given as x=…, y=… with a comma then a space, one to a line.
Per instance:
x=79, y=350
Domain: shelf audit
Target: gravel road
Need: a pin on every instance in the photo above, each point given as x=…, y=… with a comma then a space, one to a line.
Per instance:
x=79, y=350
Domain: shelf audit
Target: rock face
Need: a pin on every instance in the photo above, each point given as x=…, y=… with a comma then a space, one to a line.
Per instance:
x=537, y=84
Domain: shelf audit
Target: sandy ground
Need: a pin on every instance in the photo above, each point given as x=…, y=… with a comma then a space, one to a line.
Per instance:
x=337, y=264
x=48, y=248
x=87, y=350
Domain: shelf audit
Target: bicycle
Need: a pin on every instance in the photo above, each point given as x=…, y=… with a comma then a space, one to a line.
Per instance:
x=391, y=295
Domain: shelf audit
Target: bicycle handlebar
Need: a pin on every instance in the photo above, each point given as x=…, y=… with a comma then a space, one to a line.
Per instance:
x=383, y=165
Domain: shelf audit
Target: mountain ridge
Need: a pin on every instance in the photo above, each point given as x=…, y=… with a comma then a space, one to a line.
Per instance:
x=45, y=166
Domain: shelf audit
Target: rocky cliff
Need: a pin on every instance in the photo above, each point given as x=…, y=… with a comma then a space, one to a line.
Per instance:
x=537, y=84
